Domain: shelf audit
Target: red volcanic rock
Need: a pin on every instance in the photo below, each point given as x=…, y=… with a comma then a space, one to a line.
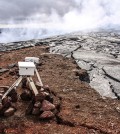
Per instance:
x=9, y=112
x=41, y=96
x=47, y=106
x=46, y=115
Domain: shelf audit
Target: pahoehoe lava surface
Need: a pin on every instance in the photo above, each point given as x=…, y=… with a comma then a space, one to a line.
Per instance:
x=99, y=54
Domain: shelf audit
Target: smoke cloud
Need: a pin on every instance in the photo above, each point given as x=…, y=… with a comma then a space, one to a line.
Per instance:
x=28, y=19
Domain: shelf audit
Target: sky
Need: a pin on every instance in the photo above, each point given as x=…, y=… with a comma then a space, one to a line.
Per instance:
x=38, y=18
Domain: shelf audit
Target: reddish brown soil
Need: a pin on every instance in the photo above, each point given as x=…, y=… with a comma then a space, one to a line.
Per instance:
x=81, y=111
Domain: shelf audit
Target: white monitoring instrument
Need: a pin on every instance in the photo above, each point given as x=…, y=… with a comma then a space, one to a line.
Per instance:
x=26, y=70
x=32, y=59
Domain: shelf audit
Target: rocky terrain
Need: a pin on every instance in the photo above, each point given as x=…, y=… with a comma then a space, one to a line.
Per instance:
x=98, y=53
x=80, y=108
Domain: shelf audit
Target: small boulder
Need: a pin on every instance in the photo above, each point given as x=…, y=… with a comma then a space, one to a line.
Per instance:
x=9, y=112
x=46, y=115
x=41, y=96
x=47, y=106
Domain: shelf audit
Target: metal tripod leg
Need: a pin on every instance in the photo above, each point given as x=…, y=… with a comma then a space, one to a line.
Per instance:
x=32, y=85
x=16, y=83
x=38, y=76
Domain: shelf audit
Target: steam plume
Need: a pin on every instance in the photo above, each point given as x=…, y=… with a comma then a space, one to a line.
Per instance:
x=28, y=19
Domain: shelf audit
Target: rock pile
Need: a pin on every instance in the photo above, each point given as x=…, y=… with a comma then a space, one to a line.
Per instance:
x=44, y=105
x=6, y=105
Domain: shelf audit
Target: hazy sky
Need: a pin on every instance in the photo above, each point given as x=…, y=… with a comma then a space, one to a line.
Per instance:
x=77, y=12
x=20, y=9
x=59, y=16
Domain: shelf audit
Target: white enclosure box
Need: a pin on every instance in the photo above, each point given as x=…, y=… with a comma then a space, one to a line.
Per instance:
x=26, y=68
x=32, y=59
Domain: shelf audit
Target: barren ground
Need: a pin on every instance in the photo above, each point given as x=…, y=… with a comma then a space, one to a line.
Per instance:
x=81, y=111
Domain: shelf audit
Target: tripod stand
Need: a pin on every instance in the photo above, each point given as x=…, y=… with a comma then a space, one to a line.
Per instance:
x=29, y=80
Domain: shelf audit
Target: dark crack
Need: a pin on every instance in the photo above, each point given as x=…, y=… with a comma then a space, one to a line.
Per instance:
x=111, y=76
x=113, y=90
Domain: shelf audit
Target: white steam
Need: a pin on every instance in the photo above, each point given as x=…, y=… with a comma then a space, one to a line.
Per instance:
x=54, y=18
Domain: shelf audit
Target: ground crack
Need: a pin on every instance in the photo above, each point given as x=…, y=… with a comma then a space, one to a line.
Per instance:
x=111, y=77
x=113, y=90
